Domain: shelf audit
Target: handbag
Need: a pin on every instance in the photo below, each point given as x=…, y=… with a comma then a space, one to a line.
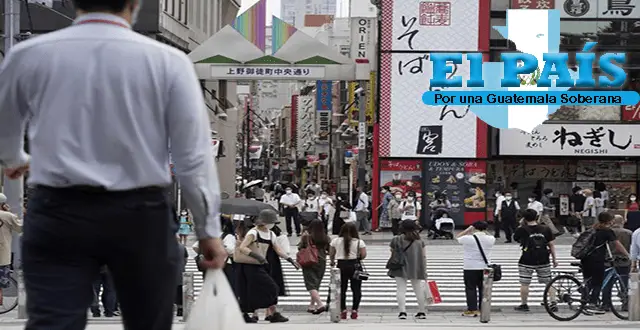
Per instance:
x=344, y=214
x=308, y=256
x=497, y=269
x=398, y=259
x=361, y=272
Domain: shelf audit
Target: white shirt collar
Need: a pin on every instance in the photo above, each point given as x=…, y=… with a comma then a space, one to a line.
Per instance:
x=95, y=17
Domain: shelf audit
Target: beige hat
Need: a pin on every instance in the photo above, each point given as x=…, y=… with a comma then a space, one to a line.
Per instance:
x=3, y=198
x=267, y=217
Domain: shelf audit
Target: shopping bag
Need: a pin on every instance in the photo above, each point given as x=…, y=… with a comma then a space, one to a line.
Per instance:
x=433, y=293
x=282, y=242
x=216, y=306
x=352, y=217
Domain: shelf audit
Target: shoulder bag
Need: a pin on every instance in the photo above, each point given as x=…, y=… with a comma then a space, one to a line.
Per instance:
x=497, y=269
x=361, y=272
x=308, y=256
x=398, y=259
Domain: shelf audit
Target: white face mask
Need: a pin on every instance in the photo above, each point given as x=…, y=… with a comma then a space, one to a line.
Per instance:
x=409, y=198
x=289, y=192
x=531, y=200
x=550, y=194
x=183, y=213
x=270, y=226
x=632, y=199
x=507, y=198
x=323, y=196
x=398, y=196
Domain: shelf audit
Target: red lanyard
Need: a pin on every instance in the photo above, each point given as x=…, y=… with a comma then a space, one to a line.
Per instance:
x=103, y=21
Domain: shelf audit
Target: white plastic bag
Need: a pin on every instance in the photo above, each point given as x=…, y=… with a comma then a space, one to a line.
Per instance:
x=283, y=243
x=216, y=307
x=352, y=217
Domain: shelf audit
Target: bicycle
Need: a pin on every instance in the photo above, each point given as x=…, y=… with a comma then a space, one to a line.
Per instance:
x=9, y=300
x=613, y=283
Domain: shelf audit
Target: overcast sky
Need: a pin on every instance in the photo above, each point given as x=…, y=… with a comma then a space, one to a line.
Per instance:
x=273, y=7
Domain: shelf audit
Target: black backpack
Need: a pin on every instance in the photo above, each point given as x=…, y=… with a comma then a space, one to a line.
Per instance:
x=536, y=245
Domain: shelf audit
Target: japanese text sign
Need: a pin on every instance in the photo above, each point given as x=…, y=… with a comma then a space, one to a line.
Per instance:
x=323, y=95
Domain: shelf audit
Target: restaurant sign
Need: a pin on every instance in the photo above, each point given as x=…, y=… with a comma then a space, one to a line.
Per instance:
x=270, y=72
x=582, y=140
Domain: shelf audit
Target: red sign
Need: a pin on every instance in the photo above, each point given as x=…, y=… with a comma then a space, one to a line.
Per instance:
x=631, y=112
x=435, y=13
x=400, y=165
x=533, y=4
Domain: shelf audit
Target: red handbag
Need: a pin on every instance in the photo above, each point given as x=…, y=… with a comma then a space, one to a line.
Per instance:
x=307, y=256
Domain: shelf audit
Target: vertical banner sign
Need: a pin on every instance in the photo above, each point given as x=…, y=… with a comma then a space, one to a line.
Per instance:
x=362, y=135
x=323, y=124
x=533, y=4
x=352, y=98
x=371, y=93
x=294, y=121
x=306, y=125
x=362, y=45
x=323, y=95
x=631, y=112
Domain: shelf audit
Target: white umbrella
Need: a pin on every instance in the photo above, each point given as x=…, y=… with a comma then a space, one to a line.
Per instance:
x=252, y=183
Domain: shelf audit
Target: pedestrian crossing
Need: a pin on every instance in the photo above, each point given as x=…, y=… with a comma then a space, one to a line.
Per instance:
x=444, y=265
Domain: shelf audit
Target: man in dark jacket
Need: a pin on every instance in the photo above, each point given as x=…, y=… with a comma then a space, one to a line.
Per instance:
x=508, y=214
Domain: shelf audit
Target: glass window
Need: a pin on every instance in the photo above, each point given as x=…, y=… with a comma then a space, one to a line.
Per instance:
x=576, y=33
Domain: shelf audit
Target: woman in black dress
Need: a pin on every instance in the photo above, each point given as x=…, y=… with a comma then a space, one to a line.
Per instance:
x=342, y=207
x=256, y=289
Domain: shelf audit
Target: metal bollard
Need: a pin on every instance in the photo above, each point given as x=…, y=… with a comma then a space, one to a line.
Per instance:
x=487, y=287
x=188, y=294
x=22, y=297
x=334, y=295
x=634, y=297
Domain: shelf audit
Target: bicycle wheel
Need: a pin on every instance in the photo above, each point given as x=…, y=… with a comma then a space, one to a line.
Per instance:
x=619, y=303
x=9, y=297
x=562, y=298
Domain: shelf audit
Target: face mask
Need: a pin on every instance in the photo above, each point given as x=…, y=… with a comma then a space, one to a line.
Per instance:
x=289, y=192
x=507, y=198
x=409, y=198
x=398, y=196
x=550, y=194
x=183, y=213
x=531, y=200
x=632, y=199
x=270, y=226
x=323, y=196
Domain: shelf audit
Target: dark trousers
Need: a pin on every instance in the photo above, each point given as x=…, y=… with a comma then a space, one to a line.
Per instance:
x=179, y=295
x=624, y=278
x=473, y=288
x=594, y=272
x=70, y=233
x=347, y=269
x=291, y=216
x=395, y=226
x=509, y=226
x=497, y=224
x=105, y=282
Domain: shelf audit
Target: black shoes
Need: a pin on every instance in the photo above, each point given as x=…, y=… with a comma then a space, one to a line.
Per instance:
x=276, y=318
x=522, y=308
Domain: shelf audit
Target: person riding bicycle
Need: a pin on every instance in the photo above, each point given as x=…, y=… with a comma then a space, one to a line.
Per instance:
x=594, y=264
x=9, y=223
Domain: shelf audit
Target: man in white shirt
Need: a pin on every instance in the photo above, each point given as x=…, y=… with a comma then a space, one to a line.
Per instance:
x=9, y=224
x=103, y=105
x=289, y=202
x=474, y=263
x=362, y=211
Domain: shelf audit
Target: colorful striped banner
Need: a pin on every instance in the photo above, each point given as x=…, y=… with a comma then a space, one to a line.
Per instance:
x=252, y=24
x=281, y=31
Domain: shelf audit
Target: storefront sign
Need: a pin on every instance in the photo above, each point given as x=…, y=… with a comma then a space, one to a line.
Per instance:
x=429, y=140
x=533, y=4
x=631, y=112
x=558, y=171
x=402, y=121
x=306, y=125
x=599, y=9
x=438, y=25
x=323, y=95
x=324, y=123
x=362, y=43
x=371, y=98
x=267, y=72
x=362, y=135
x=255, y=152
x=581, y=140
x=464, y=184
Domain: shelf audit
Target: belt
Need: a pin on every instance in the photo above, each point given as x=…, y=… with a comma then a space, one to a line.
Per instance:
x=102, y=189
